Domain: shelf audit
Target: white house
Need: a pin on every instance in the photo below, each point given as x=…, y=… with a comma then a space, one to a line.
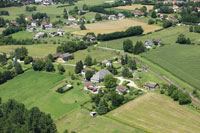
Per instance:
x=71, y=19
x=61, y=32
x=38, y=1
x=112, y=17
x=33, y=24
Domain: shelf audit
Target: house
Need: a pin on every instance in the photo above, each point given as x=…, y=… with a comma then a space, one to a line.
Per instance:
x=175, y=8
x=157, y=41
x=112, y=17
x=60, y=32
x=93, y=114
x=122, y=89
x=91, y=38
x=30, y=28
x=65, y=57
x=151, y=86
x=99, y=76
x=14, y=23
x=106, y=62
x=46, y=25
x=38, y=1
x=85, y=70
x=138, y=13
x=28, y=18
x=120, y=15
x=57, y=55
x=174, y=20
x=39, y=35
x=33, y=24
x=148, y=44
x=71, y=19
x=47, y=2
x=91, y=87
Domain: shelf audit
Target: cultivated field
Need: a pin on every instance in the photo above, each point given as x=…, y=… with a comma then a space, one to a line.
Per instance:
x=168, y=36
x=181, y=60
x=133, y=7
x=156, y=113
x=38, y=89
x=115, y=25
x=39, y=50
x=81, y=121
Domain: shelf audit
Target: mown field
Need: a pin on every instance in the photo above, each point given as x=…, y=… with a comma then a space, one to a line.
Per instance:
x=133, y=7
x=38, y=89
x=39, y=50
x=156, y=113
x=181, y=60
x=116, y=25
x=81, y=121
x=168, y=36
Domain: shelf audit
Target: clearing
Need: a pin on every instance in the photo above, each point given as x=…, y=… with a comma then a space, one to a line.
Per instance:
x=133, y=7
x=38, y=89
x=105, y=27
x=147, y=112
x=180, y=60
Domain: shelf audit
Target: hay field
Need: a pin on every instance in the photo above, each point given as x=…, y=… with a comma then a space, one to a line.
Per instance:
x=133, y=7
x=156, y=113
x=105, y=27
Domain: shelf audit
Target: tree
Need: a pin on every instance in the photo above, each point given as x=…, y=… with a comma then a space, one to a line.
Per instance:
x=112, y=69
x=191, y=28
x=88, y=75
x=122, y=60
x=184, y=98
x=167, y=23
x=102, y=107
x=82, y=27
x=98, y=17
x=79, y=67
x=110, y=81
x=175, y=95
x=3, y=59
x=126, y=73
x=153, y=14
x=28, y=59
x=49, y=67
x=139, y=48
x=132, y=64
x=38, y=65
x=85, y=7
x=126, y=59
x=182, y=39
x=18, y=69
x=128, y=46
x=170, y=90
x=21, y=53
x=116, y=99
x=61, y=69
x=50, y=57
x=151, y=21
x=88, y=61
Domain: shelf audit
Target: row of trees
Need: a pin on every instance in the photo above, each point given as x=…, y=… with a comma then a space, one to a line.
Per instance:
x=137, y=49
x=11, y=30
x=9, y=40
x=195, y=28
x=4, y=13
x=132, y=31
x=30, y=9
x=14, y=117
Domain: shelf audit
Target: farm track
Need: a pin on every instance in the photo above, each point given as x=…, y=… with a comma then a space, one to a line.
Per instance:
x=167, y=80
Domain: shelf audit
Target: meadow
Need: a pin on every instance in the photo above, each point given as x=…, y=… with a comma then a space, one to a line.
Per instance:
x=115, y=25
x=180, y=60
x=147, y=112
x=168, y=36
x=134, y=6
x=38, y=89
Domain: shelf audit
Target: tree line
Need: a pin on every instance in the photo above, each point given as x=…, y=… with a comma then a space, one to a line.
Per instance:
x=4, y=13
x=131, y=31
x=137, y=49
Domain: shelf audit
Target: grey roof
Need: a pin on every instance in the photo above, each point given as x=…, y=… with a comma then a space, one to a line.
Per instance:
x=100, y=75
x=66, y=55
x=149, y=43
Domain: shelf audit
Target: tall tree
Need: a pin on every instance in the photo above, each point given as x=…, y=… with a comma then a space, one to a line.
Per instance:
x=18, y=69
x=139, y=48
x=21, y=53
x=79, y=67
x=102, y=107
x=88, y=61
x=110, y=81
x=128, y=46
x=132, y=64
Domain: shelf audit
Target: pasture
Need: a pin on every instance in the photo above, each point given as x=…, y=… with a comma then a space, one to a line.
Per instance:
x=168, y=36
x=105, y=27
x=38, y=89
x=134, y=6
x=39, y=50
x=81, y=121
x=180, y=60
x=147, y=112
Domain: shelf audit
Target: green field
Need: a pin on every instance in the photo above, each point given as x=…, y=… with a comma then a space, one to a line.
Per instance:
x=156, y=113
x=168, y=36
x=181, y=60
x=38, y=89
x=81, y=121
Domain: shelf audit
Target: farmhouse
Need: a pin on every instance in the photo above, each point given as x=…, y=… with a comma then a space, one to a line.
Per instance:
x=91, y=38
x=157, y=41
x=148, y=44
x=121, y=16
x=33, y=23
x=91, y=87
x=106, y=62
x=138, y=13
x=151, y=86
x=112, y=17
x=39, y=35
x=71, y=19
x=122, y=89
x=65, y=57
x=46, y=25
x=99, y=76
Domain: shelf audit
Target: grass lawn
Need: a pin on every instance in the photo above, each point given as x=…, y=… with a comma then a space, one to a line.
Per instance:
x=81, y=121
x=181, y=60
x=40, y=50
x=168, y=36
x=95, y=53
x=35, y=89
x=147, y=112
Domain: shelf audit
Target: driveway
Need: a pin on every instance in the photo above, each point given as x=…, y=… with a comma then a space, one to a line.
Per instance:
x=131, y=83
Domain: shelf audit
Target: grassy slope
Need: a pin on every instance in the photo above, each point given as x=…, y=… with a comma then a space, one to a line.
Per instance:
x=81, y=121
x=34, y=89
x=181, y=60
x=168, y=36
x=148, y=112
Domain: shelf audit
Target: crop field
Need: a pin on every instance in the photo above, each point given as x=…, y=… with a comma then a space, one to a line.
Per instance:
x=168, y=36
x=116, y=25
x=147, y=112
x=36, y=89
x=39, y=50
x=180, y=60
x=133, y=7
x=81, y=121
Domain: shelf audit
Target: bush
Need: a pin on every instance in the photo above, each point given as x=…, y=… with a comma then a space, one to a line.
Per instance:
x=167, y=23
x=28, y=59
x=151, y=21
